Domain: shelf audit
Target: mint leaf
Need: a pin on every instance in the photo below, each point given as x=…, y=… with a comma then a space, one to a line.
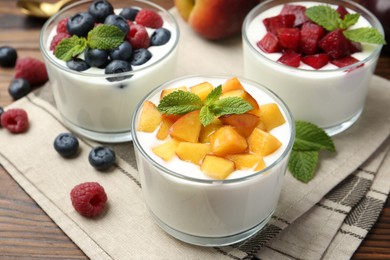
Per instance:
x=324, y=16
x=105, y=37
x=206, y=116
x=309, y=137
x=349, y=20
x=302, y=164
x=179, y=102
x=213, y=96
x=70, y=47
x=365, y=34
x=230, y=105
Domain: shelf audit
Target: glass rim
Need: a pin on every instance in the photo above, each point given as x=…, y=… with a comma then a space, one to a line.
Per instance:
x=275, y=97
x=271, y=3
x=44, y=50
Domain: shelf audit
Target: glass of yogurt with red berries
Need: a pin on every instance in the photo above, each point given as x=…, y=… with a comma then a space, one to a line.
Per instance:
x=212, y=152
x=102, y=59
x=318, y=56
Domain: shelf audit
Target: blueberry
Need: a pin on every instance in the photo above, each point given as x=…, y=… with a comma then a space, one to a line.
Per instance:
x=100, y=9
x=118, y=21
x=96, y=57
x=101, y=158
x=1, y=112
x=80, y=24
x=77, y=64
x=19, y=88
x=122, y=52
x=140, y=56
x=160, y=37
x=8, y=56
x=118, y=66
x=129, y=13
x=66, y=144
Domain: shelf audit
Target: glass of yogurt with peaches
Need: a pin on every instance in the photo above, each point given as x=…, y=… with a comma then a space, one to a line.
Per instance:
x=102, y=59
x=212, y=171
x=314, y=66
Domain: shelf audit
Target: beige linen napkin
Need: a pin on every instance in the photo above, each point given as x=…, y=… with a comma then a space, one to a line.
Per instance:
x=348, y=184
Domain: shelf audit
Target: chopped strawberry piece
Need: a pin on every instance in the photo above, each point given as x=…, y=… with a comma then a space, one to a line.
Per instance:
x=290, y=58
x=345, y=61
x=316, y=61
x=289, y=38
x=355, y=47
x=298, y=11
x=272, y=24
x=335, y=44
x=342, y=11
x=269, y=43
x=311, y=34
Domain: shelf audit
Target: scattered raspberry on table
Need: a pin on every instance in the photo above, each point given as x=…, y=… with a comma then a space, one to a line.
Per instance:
x=89, y=199
x=15, y=120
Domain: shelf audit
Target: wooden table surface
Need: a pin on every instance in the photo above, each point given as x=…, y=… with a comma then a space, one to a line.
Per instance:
x=26, y=232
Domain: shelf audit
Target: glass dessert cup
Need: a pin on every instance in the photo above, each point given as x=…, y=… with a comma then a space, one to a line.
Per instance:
x=89, y=103
x=333, y=99
x=208, y=212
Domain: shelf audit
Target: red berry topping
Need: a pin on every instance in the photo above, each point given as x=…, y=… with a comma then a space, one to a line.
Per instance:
x=290, y=58
x=273, y=24
x=88, y=198
x=56, y=40
x=344, y=61
x=316, y=61
x=269, y=43
x=149, y=18
x=32, y=70
x=311, y=33
x=15, y=120
x=298, y=11
x=342, y=11
x=289, y=38
x=335, y=44
x=138, y=37
x=61, y=26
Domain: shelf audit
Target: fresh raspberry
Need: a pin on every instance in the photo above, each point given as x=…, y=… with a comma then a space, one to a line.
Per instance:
x=56, y=40
x=15, y=120
x=149, y=18
x=88, y=198
x=138, y=37
x=61, y=26
x=32, y=70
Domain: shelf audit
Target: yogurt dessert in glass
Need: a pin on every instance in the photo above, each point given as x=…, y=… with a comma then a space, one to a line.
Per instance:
x=91, y=102
x=330, y=96
x=197, y=191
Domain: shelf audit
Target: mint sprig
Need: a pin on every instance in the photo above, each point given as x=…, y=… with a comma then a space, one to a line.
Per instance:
x=104, y=37
x=309, y=141
x=181, y=102
x=330, y=19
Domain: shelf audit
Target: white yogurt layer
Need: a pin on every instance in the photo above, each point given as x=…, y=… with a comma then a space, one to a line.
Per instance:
x=88, y=101
x=331, y=98
x=195, y=209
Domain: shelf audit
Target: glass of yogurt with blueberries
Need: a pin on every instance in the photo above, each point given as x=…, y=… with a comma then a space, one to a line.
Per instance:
x=318, y=56
x=207, y=181
x=103, y=59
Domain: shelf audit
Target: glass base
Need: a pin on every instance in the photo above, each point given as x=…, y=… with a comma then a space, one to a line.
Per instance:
x=212, y=241
x=333, y=130
x=119, y=137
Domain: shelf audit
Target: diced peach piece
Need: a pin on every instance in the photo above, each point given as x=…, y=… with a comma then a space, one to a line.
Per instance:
x=202, y=89
x=167, y=91
x=263, y=143
x=166, y=150
x=165, y=126
x=260, y=165
x=187, y=127
x=226, y=141
x=217, y=167
x=192, y=152
x=271, y=116
x=243, y=123
x=245, y=161
x=242, y=94
x=232, y=84
x=150, y=117
x=206, y=131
